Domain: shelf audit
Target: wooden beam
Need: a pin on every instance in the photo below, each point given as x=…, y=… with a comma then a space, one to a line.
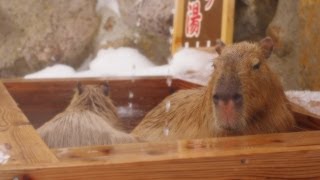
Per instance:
x=178, y=25
x=128, y=153
x=18, y=137
x=286, y=155
x=228, y=9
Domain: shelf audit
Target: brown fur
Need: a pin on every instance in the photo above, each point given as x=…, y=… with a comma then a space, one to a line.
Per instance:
x=90, y=119
x=192, y=113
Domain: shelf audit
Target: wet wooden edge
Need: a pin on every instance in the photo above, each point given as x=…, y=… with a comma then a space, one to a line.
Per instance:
x=286, y=155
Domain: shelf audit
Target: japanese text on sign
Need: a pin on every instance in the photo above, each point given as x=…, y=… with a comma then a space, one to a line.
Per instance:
x=193, y=19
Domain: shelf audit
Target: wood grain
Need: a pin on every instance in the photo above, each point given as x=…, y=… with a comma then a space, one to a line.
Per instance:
x=128, y=153
x=178, y=26
x=276, y=156
x=305, y=119
x=17, y=134
x=228, y=9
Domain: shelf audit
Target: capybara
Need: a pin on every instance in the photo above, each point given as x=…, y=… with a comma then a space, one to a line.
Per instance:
x=90, y=119
x=243, y=97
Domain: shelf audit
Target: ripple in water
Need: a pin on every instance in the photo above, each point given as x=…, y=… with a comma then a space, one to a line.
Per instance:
x=131, y=95
x=130, y=105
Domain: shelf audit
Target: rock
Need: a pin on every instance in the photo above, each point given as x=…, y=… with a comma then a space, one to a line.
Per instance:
x=293, y=27
x=112, y=32
x=282, y=30
x=252, y=18
x=308, y=44
x=153, y=20
x=150, y=34
x=36, y=33
x=156, y=16
x=297, y=53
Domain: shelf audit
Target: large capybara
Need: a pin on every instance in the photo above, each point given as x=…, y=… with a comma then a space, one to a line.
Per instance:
x=90, y=119
x=243, y=97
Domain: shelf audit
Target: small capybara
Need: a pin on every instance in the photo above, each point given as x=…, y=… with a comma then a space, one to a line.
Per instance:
x=90, y=119
x=243, y=97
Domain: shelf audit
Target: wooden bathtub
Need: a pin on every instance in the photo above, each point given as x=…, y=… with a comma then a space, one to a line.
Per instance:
x=25, y=104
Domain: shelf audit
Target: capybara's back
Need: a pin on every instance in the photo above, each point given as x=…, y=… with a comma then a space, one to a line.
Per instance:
x=90, y=119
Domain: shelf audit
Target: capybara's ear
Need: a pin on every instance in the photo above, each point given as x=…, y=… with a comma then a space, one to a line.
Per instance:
x=219, y=46
x=266, y=45
x=105, y=88
x=80, y=87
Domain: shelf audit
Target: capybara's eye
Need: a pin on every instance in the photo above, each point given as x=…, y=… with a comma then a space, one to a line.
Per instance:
x=215, y=98
x=256, y=66
x=255, y=63
x=214, y=65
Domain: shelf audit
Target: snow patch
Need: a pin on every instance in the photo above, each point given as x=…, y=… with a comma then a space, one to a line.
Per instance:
x=193, y=65
x=119, y=62
x=112, y=4
x=188, y=64
x=56, y=71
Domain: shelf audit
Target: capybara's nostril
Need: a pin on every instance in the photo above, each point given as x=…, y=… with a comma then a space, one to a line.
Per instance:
x=237, y=98
x=216, y=98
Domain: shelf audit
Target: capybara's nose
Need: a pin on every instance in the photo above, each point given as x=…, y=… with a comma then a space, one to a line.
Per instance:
x=226, y=96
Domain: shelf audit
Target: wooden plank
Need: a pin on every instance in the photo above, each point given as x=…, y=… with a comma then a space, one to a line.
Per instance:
x=85, y=79
x=286, y=155
x=128, y=153
x=305, y=119
x=22, y=143
x=181, y=84
x=178, y=26
x=228, y=9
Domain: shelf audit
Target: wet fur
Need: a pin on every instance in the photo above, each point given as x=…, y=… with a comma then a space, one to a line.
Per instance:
x=192, y=113
x=90, y=119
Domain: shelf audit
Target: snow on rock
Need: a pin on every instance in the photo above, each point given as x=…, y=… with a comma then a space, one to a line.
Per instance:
x=188, y=64
x=112, y=4
x=191, y=60
x=192, y=65
x=119, y=62
x=56, y=71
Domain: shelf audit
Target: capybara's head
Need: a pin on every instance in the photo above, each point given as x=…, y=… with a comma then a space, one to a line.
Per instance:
x=94, y=97
x=242, y=85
